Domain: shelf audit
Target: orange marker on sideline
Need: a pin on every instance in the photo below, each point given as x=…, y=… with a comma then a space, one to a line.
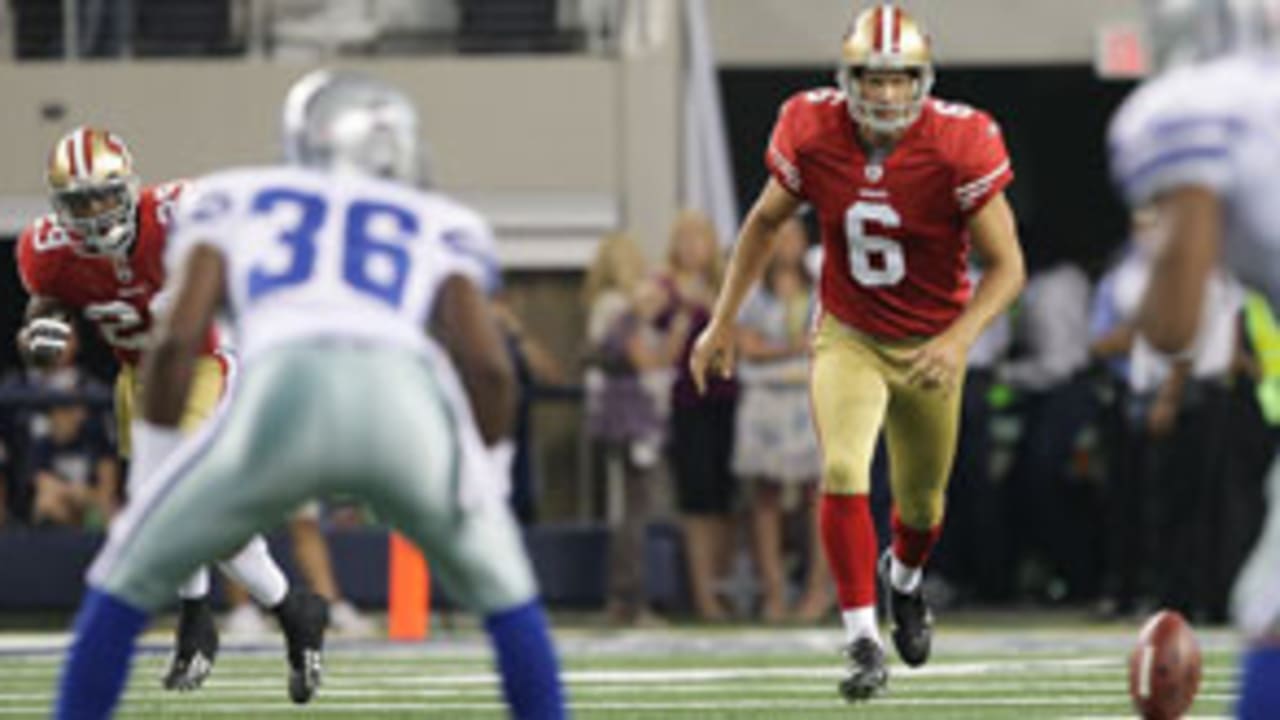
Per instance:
x=408, y=591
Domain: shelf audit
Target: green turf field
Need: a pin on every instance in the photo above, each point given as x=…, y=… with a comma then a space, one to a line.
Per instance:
x=978, y=672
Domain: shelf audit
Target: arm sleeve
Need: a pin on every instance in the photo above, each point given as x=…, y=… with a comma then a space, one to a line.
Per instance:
x=25, y=257
x=39, y=253
x=1156, y=155
x=206, y=213
x=982, y=163
x=782, y=156
x=475, y=251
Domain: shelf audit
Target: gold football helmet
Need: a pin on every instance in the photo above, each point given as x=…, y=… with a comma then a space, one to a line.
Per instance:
x=93, y=190
x=885, y=37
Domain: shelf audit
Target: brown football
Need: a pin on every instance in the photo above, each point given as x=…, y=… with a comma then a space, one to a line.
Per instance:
x=1164, y=668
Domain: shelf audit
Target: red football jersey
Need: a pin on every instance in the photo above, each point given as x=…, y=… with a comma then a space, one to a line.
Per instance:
x=114, y=295
x=894, y=228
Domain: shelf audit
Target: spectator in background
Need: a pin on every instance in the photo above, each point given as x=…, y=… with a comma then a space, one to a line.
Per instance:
x=702, y=426
x=1052, y=331
x=1186, y=404
x=968, y=558
x=628, y=380
x=775, y=444
x=1129, y=543
x=534, y=365
x=74, y=474
x=53, y=468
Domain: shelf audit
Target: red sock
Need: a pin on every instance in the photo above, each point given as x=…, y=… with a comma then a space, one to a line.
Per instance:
x=849, y=537
x=912, y=546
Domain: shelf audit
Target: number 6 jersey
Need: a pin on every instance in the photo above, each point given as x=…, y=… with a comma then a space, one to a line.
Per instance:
x=114, y=294
x=319, y=255
x=894, y=228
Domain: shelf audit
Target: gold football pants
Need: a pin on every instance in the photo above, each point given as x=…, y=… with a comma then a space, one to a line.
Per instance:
x=859, y=386
x=206, y=390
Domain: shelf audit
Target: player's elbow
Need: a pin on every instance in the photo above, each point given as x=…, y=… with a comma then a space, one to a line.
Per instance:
x=1017, y=274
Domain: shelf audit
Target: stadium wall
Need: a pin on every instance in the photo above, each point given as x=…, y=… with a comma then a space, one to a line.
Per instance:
x=760, y=33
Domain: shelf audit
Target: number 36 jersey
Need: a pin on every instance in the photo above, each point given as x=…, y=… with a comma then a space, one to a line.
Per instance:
x=115, y=295
x=313, y=255
x=894, y=228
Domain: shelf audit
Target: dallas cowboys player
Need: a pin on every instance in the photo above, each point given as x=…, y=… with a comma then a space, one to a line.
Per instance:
x=1202, y=141
x=330, y=272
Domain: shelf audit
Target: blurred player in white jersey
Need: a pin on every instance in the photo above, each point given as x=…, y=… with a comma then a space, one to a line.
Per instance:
x=333, y=272
x=1201, y=140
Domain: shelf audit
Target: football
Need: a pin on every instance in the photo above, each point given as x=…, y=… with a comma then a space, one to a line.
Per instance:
x=1164, y=668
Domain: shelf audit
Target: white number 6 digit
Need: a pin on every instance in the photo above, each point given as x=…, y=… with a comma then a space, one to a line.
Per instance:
x=862, y=246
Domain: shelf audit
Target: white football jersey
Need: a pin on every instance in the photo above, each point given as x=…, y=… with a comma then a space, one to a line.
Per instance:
x=311, y=254
x=1215, y=125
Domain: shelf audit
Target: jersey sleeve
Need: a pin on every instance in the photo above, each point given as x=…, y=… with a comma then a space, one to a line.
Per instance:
x=1157, y=143
x=204, y=213
x=473, y=249
x=782, y=157
x=163, y=200
x=982, y=167
x=40, y=249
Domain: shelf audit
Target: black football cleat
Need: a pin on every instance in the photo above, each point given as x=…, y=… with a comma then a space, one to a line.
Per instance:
x=304, y=616
x=910, y=616
x=195, y=650
x=867, y=676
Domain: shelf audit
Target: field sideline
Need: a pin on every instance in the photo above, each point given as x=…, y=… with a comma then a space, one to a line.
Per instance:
x=703, y=674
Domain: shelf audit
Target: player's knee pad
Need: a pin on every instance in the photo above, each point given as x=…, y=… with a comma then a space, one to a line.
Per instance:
x=845, y=477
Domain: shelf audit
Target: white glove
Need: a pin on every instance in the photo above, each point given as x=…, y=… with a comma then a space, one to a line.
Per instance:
x=152, y=445
x=46, y=339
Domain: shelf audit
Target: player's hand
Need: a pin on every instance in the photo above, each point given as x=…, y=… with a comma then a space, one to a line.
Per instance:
x=712, y=353
x=938, y=364
x=44, y=340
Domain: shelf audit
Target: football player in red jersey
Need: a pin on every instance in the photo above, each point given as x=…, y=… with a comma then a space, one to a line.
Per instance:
x=903, y=185
x=101, y=254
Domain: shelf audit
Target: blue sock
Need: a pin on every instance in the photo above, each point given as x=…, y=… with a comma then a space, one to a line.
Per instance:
x=97, y=664
x=527, y=662
x=1259, y=684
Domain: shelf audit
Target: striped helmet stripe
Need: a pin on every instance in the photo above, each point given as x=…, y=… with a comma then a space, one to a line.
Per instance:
x=877, y=36
x=886, y=35
x=86, y=149
x=897, y=30
x=70, y=148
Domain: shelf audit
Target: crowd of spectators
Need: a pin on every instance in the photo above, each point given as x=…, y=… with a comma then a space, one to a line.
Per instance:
x=1090, y=469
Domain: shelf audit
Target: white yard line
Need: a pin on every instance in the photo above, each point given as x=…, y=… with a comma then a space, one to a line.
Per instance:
x=321, y=707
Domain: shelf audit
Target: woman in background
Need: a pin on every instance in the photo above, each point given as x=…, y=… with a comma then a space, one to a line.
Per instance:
x=628, y=381
x=701, y=426
x=775, y=445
